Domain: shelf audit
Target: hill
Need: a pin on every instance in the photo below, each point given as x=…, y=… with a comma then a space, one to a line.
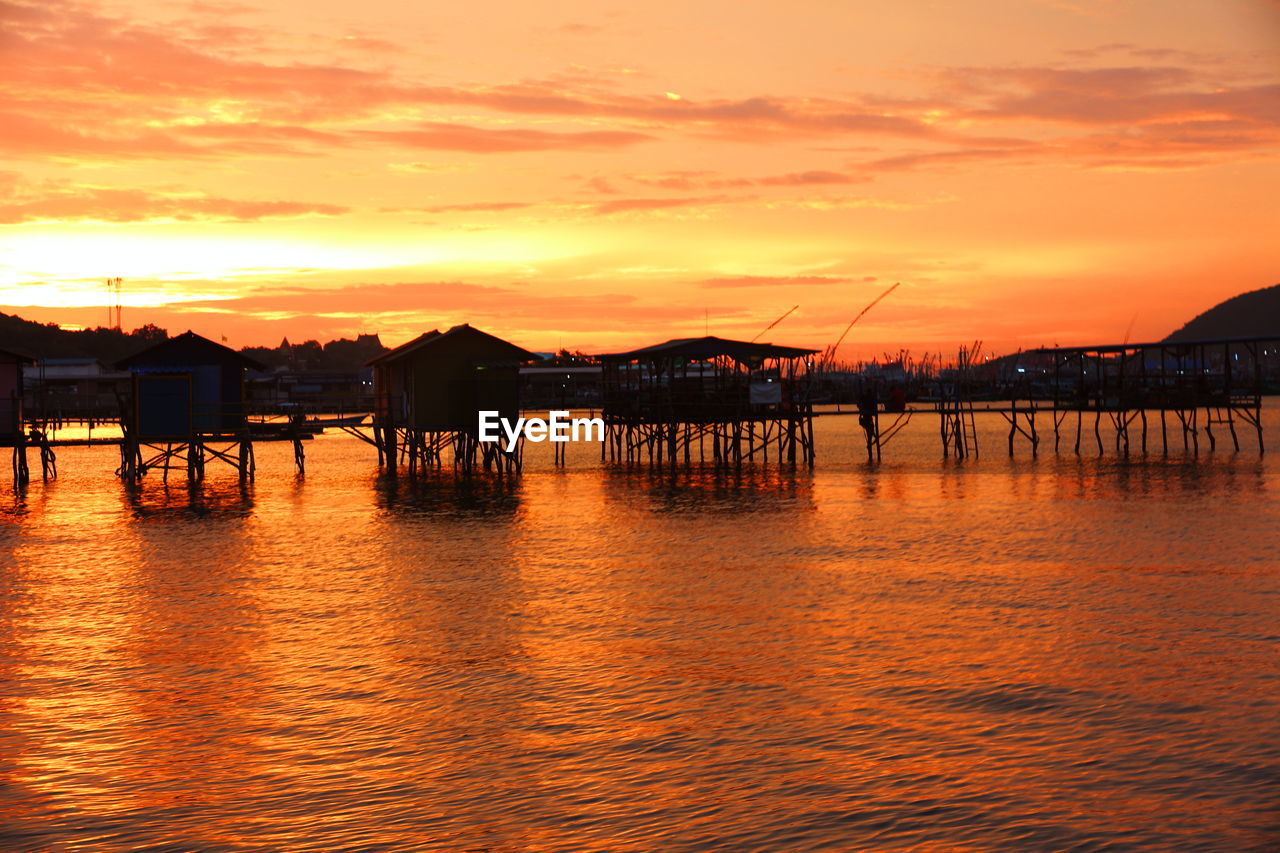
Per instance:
x=48, y=340
x=1255, y=314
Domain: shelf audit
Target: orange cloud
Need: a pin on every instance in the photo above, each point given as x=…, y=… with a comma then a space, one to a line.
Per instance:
x=134, y=116
x=51, y=201
x=475, y=207
x=628, y=205
x=801, y=179
x=773, y=281
x=457, y=137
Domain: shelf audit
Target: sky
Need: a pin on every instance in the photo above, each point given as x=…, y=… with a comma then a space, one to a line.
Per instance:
x=601, y=176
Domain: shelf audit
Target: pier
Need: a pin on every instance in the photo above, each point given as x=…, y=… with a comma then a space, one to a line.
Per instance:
x=730, y=401
x=692, y=399
x=1193, y=389
x=1122, y=396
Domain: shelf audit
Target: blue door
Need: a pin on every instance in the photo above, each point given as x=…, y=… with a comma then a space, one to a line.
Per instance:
x=164, y=405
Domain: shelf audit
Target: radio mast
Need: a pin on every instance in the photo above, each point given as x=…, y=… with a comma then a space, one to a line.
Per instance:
x=113, y=305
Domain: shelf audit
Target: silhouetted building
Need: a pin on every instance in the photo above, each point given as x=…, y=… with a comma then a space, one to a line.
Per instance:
x=11, y=368
x=740, y=397
x=440, y=380
x=188, y=385
x=75, y=387
x=560, y=387
x=286, y=390
x=428, y=394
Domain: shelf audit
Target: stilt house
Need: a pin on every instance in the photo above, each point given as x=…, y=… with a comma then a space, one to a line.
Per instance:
x=11, y=364
x=439, y=381
x=188, y=385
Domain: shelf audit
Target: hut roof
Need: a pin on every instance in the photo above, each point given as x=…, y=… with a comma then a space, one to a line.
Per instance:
x=709, y=347
x=463, y=341
x=189, y=342
x=20, y=355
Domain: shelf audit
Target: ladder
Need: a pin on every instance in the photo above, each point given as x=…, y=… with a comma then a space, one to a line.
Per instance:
x=959, y=430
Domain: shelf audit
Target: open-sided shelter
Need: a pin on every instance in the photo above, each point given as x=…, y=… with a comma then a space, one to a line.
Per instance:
x=746, y=397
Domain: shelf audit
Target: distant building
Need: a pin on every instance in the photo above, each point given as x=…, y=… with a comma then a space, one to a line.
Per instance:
x=565, y=387
x=287, y=389
x=79, y=386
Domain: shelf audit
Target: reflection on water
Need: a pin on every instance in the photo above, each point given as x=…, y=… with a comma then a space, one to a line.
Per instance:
x=715, y=489
x=441, y=493
x=1050, y=653
x=212, y=499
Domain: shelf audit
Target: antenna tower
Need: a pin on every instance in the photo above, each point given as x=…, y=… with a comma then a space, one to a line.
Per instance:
x=113, y=306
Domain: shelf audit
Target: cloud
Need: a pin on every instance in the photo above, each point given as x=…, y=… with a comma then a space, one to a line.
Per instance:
x=472, y=207
x=904, y=162
x=692, y=180
x=21, y=203
x=628, y=205
x=411, y=307
x=800, y=179
x=428, y=168
x=576, y=29
x=1117, y=95
x=601, y=185
x=678, y=180
x=148, y=91
x=770, y=281
x=441, y=136
x=86, y=85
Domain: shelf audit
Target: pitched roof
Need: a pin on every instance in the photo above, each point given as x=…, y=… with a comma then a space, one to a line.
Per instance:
x=190, y=339
x=21, y=355
x=457, y=341
x=709, y=347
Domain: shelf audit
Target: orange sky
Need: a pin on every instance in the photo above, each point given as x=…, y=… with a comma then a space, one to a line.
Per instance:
x=598, y=176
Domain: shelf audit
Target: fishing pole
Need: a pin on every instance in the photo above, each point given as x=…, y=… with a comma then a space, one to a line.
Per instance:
x=831, y=351
x=775, y=322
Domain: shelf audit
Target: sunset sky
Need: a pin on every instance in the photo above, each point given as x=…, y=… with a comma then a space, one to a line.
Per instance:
x=601, y=176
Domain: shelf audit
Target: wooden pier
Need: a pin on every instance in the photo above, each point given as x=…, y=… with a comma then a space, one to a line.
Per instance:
x=707, y=398
x=1125, y=397
x=1192, y=389
x=685, y=401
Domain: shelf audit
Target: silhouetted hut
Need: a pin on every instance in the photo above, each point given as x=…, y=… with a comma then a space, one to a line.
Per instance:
x=187, y=392
x=745, y=397
x=429, y=393
x=11, y=422
x=11, y=364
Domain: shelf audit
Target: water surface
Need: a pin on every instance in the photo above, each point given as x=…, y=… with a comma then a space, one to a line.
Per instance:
x=1054, y=653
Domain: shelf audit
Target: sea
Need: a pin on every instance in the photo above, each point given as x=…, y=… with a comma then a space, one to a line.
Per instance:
x=1049, y=652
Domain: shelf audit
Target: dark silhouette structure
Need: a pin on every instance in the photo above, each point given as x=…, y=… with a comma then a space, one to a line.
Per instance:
x=189, y=404
x=428, y=394
x=739, y=399
x=11, y=365
x=13, y=431
x=1199, y=385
